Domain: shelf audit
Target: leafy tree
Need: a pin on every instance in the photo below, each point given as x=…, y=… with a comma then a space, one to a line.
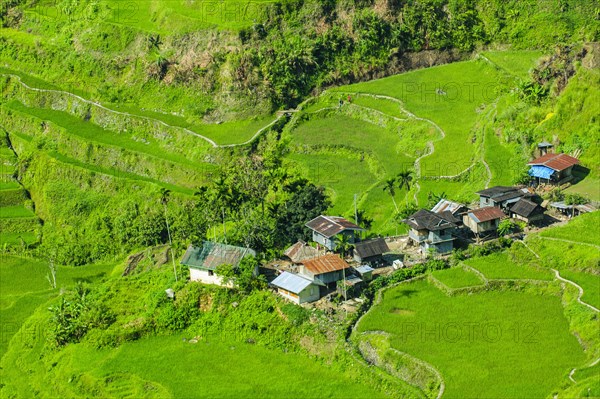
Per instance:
x=243, y=277
x=508, y=226
x=307, y=201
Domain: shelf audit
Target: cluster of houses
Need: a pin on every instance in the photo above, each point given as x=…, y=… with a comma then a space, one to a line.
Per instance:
x=312, y=271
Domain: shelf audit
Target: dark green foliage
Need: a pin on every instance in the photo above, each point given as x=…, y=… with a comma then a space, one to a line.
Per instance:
x=245, y=276
x=307, y=201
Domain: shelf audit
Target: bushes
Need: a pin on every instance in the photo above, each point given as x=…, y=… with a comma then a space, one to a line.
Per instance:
x=76, y=314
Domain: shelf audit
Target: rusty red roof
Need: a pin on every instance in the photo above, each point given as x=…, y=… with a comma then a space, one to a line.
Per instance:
x=325, y=264
x=556, y=162
x=486, y=214
x=329, y=226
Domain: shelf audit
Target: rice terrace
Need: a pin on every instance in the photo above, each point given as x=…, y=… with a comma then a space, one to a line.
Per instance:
x=300, y=199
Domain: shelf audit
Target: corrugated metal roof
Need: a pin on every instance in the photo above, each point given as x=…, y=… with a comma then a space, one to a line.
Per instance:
x=213, y=254
x=375, y=247
x=556, y=162
x=446, y=205
x=301, y=251
x=545, y=144
x=291, y=282
x=364, y=269
x=486, y=214
x=325, y=264
x=543, y=172
x=329, y=226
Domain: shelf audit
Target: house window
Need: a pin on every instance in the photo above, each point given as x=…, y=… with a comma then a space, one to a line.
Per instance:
x=211, y=273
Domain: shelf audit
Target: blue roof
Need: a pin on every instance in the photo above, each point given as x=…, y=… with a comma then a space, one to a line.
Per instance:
x=291, y=282
x=364, y=269
x=541, y=171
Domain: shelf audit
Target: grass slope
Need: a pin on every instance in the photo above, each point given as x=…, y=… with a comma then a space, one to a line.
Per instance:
x=457, y=277
x=219, y=369
x=500, y=266
x=487, y=345
x=24, y=287
x=467, y=85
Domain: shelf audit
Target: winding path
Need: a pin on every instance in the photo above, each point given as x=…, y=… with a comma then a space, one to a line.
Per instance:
x=595, y=309
x=569, y=241
x=96, y=104
x=430, y=145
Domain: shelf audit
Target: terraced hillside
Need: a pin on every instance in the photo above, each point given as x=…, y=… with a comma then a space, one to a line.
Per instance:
x=19, y=226
x=501, y=312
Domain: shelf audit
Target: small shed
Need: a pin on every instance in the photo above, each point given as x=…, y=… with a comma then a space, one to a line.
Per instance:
x=571, y=210
x=365, y=272
x=553, y=168
x=296, y=288
x=351, y=286
x=544, y=147
x=370, y=250
x=203, y=261
x=527, y=211
x=483, y=220
x=326, y=228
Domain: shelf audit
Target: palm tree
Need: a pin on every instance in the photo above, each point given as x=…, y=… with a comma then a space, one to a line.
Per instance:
x=342, y=244
x=154, y=42
x=390, y=187
x=404, y=180
x=164, y=200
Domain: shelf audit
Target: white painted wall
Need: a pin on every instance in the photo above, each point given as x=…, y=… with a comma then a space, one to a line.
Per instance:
x=204, y=277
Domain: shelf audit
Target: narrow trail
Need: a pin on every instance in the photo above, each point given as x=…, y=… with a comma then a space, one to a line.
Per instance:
x=483, y=161
x=558, y=276
x=430, y=145
x=569, y=241
x=96, y=104
x=529, y=248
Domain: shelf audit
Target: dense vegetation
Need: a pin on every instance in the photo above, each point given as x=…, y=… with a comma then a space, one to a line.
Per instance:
x=127, y=126
x=274, y=55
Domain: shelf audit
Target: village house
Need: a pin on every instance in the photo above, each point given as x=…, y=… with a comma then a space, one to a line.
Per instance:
x=527, y=211
x=432, y=230
x=370, y=251
x=203, y=261
x=325, y=270
x=300, y=251
x=325, y=229
x=296, y=288
x=552, y=168
x=501, y=196
x=483, y=220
